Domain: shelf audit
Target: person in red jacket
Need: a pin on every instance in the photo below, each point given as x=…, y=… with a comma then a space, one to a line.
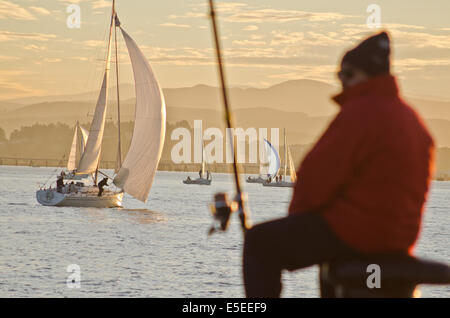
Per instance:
x=360, y=190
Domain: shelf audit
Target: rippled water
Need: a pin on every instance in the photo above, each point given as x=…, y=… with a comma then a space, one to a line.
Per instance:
x=156, y=249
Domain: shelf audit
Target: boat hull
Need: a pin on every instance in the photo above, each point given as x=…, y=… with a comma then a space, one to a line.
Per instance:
x=53, y=198
x=199, y=181
x=280, y=184
x=255, y=180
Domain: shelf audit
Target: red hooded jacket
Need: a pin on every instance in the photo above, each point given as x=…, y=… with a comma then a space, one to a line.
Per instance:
x=370, y=171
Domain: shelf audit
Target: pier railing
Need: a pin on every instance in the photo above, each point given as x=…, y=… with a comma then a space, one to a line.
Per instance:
x=250, y=168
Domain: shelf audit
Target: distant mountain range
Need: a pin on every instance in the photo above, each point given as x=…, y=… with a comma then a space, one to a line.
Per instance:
x=303, y=107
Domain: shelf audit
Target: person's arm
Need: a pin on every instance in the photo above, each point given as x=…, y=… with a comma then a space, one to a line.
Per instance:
x=331, y=162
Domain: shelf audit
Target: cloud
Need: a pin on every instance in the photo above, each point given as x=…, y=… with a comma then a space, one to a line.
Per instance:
x=13, y=36
x=175, y=25
x=10, y=88
x=7, y=58
x=250, y=28
x=93, y=43
x=414, y=64
x=282, y=16
x=40, y=10
x=9, y=10
x=34, y=47
x=99, y=4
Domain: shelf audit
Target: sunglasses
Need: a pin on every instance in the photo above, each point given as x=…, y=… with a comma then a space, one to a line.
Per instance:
x=346, y=73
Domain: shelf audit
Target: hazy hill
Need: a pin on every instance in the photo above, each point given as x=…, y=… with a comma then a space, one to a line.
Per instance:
x=303, y=107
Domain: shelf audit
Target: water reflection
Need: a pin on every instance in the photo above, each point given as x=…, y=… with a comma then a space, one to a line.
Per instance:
x=143, y=216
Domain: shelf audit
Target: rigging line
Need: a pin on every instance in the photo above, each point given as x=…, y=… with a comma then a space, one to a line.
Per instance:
x=228, y=118
x=117, y=24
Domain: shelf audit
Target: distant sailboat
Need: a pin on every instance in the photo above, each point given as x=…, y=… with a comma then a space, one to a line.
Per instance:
x=201, y=180
x=136, y=173
x=283, y=183
x=269, y=166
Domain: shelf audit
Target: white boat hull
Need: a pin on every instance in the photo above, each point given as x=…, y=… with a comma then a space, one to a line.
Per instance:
x=50, y=197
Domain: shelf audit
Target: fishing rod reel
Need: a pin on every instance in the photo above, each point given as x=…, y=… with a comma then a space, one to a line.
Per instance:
x=222, y=209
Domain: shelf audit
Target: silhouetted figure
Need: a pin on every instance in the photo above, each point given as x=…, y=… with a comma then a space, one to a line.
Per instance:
x=59, y=184
x=72, y=187
x=101, y=184
x=200, y=173
x=362, y=187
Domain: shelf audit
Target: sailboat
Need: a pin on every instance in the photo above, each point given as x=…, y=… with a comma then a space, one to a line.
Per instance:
x=284, y=183
x=201, y=180
x=136, y=173
x=269, y=166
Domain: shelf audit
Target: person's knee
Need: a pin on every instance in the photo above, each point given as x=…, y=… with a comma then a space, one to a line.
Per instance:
x=253, y=239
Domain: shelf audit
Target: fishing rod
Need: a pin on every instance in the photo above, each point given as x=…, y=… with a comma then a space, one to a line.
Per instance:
x=223, y=208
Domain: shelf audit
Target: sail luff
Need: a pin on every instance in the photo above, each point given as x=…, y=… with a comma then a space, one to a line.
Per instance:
x=138, y=169
x=90, y=159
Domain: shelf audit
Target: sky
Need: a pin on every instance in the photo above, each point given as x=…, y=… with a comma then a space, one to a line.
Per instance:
x=265, y=42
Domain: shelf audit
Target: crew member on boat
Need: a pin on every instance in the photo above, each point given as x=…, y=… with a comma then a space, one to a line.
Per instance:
x=101, y=184
x=361, y=189
x=59, y=183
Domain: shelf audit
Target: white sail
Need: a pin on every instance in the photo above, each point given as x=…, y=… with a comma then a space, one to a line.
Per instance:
x=263, y=165
x=84, y=137
x=90, y=159
x=72, y=161
x=285, y=155
x=203, y=159
x=118, y=160
x=274, y=159
x=292, y=170
x=139, y=167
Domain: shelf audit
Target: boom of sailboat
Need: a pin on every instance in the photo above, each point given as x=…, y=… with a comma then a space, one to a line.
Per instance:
x=136, y=173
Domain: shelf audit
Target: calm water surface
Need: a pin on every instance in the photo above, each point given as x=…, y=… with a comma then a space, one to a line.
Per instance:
x=156, y=249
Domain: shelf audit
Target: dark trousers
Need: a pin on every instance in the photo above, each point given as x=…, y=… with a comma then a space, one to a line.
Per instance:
x=290, y=243
x=100, y=191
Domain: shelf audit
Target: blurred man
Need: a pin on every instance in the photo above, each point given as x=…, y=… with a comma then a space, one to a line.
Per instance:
x=361, y=189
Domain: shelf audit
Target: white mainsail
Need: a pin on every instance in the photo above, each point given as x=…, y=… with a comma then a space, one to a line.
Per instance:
x=84, y=138
x=292, y=171
x=90, y=159
x=139, y=167
x=75, y=152
x=72, y=161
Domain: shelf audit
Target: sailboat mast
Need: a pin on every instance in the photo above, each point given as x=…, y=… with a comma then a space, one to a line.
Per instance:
x=119, y=150
x=285, y=154
x=80, y=140
x=107, y=69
